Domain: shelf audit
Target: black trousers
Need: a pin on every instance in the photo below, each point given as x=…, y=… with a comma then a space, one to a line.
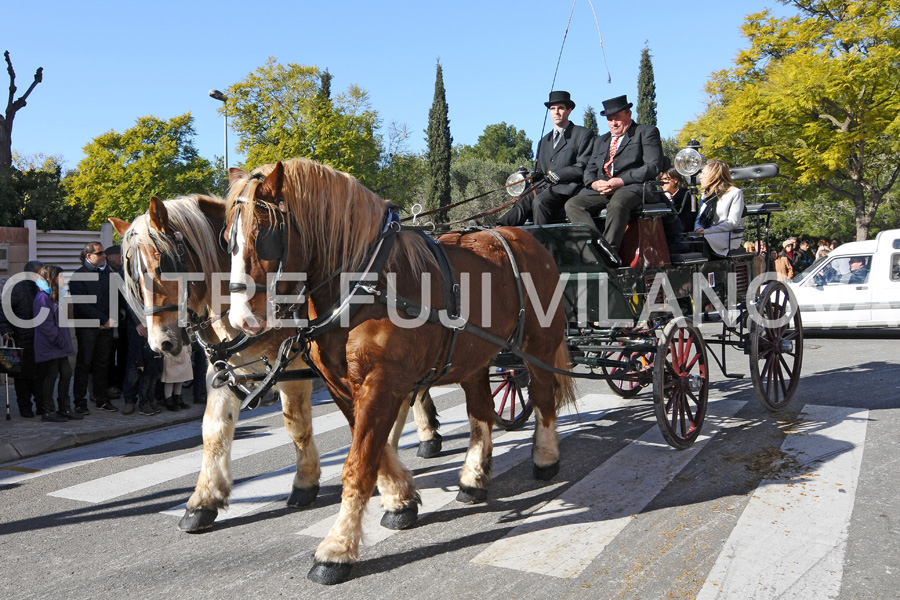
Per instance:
x=58, y=368
x=543, y=209
x=588, y=204
x=92, y=360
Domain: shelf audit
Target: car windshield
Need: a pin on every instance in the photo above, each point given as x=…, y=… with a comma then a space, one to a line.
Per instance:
x=810, y=269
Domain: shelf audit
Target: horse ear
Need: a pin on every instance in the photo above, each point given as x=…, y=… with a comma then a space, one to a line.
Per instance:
x=270, y=189
x=119, y=225
x=234, y=174
x=159, y=216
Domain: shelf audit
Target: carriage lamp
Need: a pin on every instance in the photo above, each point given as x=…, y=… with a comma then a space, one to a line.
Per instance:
x=516, y=182
x=217, y=95
x=689, y=161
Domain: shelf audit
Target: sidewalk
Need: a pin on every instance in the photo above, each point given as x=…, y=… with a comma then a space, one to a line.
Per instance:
x=22, y=438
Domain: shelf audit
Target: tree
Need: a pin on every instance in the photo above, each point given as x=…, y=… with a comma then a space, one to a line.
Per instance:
x=439, y=141
x=818, y=93
x=287, y=111
x=590, y=119
x=32, y=189
x=120, y=171
x=401, y=178
x=501, y=143
x=12, y=107
x=646, y=103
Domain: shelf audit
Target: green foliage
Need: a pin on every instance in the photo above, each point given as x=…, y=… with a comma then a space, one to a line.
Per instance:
x=590, y=119
x=646, y=103
x=120, y=171
x=817, y=93
x=401, y=178
x=286, y=111
x=37, y=193
x=474, y=176
x=671, y=147
x=439, y=143
x=502, y=143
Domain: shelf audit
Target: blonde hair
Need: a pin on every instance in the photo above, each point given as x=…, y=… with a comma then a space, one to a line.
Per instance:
x=719, y=178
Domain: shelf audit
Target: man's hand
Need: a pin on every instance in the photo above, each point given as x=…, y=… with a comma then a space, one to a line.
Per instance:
x=607, y=187
x=537, y=175
x=108, y=325
x=142, y=330
x=552, y=178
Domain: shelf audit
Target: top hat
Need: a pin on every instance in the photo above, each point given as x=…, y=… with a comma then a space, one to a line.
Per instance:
x=560, y=96
x=614, y=105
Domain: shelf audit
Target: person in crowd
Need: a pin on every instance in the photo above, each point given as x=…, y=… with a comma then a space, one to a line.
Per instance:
x=834, y=243
x=200, y=364
x=18, y=330
x=750, y=247
x=722, y=209
x=176, y=370
x=53, y=346
x=804, y=257
x=784, y=264
x=118, y=358
x=622, y=160
x=89, y=287
x=562, y=156
x=823, y=249
x=142, y=370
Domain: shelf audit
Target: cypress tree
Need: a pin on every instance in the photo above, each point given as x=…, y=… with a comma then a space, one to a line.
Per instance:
x=439, y=143
x=646, y=104
x=590, y=119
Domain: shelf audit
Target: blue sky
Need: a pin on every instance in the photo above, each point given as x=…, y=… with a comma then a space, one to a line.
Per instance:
x=108, y=63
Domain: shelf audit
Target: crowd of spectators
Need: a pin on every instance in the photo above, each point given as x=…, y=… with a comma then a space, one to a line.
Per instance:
x=83, y=353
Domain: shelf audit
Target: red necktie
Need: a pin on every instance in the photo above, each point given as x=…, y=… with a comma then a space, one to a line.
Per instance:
x=612, y=154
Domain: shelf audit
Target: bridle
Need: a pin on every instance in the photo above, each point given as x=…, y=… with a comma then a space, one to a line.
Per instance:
x=170, y=263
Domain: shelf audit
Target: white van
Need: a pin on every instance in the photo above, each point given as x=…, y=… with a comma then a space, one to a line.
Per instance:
x=856, y=285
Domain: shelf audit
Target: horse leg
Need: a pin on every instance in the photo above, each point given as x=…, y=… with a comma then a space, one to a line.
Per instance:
x=295, y=408
x=399, y=424
x=545, y=448
x=375, y=412
x=214, y=484
x=398, y=492
x=425, y=414
x=475, y=475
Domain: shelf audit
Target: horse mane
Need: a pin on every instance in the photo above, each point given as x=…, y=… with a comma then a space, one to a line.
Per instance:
x=334, y=211
x=185, y=216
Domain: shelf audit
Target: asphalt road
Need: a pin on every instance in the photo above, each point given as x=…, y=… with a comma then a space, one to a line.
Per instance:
x=798, y=505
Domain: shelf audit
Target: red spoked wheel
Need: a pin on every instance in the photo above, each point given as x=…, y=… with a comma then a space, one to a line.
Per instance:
x=680, y=383
x=776, y=346
x=512, y=406
x=627, y=388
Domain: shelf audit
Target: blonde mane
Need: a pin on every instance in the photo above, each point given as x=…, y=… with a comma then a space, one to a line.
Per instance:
x=335, y=212
x=185, y=216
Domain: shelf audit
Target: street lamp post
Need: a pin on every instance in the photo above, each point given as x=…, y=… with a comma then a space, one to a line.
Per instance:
x=217, y=95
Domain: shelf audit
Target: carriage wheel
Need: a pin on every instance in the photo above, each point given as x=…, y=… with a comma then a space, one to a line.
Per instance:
x=512, y=407
x=680, y=383
x=621, y=387
x=776, y=346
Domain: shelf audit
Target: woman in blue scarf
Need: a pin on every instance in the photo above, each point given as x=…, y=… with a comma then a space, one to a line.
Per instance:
x=53, y=345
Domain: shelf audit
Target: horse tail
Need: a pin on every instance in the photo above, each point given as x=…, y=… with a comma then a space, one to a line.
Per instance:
x=565, y=395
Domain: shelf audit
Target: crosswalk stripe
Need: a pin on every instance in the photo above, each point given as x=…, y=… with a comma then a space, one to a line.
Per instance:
x=791, y=538
x=510, y=449
x=85, y=455
x=568, y=533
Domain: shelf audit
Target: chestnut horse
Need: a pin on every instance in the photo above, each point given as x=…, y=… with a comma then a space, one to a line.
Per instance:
x=181, y=236
x=300, y=217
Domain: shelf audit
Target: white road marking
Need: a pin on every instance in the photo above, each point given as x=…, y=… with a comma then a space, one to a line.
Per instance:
x=791, y=538
x=568, y=533
x=510, y=449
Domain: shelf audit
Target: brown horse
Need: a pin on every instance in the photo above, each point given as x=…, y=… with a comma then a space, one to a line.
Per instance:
x=181, y=236
x=302, y=217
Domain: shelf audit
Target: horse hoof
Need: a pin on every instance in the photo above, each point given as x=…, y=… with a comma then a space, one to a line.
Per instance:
x=302, y=497
x=329, y=573
x=402, y=519
x=546, y=473
x=198, y=520
x=430, y=448
x=470, y=495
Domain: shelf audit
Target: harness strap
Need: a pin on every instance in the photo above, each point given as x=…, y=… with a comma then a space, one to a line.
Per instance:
x=515, y=337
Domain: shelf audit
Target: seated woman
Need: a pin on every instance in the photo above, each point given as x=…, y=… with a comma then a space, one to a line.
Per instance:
x=675, y=189
x=722, y=210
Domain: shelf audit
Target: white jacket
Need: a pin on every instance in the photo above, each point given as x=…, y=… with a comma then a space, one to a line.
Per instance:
x=729, y=216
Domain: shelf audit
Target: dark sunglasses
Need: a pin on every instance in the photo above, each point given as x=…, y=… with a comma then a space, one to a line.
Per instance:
x=98, y=253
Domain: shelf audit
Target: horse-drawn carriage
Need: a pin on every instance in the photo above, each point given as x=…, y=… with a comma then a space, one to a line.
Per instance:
x=634, y=316
x=383, y=311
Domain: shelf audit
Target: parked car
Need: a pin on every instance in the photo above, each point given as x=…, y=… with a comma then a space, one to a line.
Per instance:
x=856, y=285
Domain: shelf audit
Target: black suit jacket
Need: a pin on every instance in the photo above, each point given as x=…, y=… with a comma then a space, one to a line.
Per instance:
x=639, y=157
x=568, y=159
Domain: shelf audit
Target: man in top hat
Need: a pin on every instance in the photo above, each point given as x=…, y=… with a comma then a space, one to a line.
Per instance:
x=622, y=161
x=562, y=156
